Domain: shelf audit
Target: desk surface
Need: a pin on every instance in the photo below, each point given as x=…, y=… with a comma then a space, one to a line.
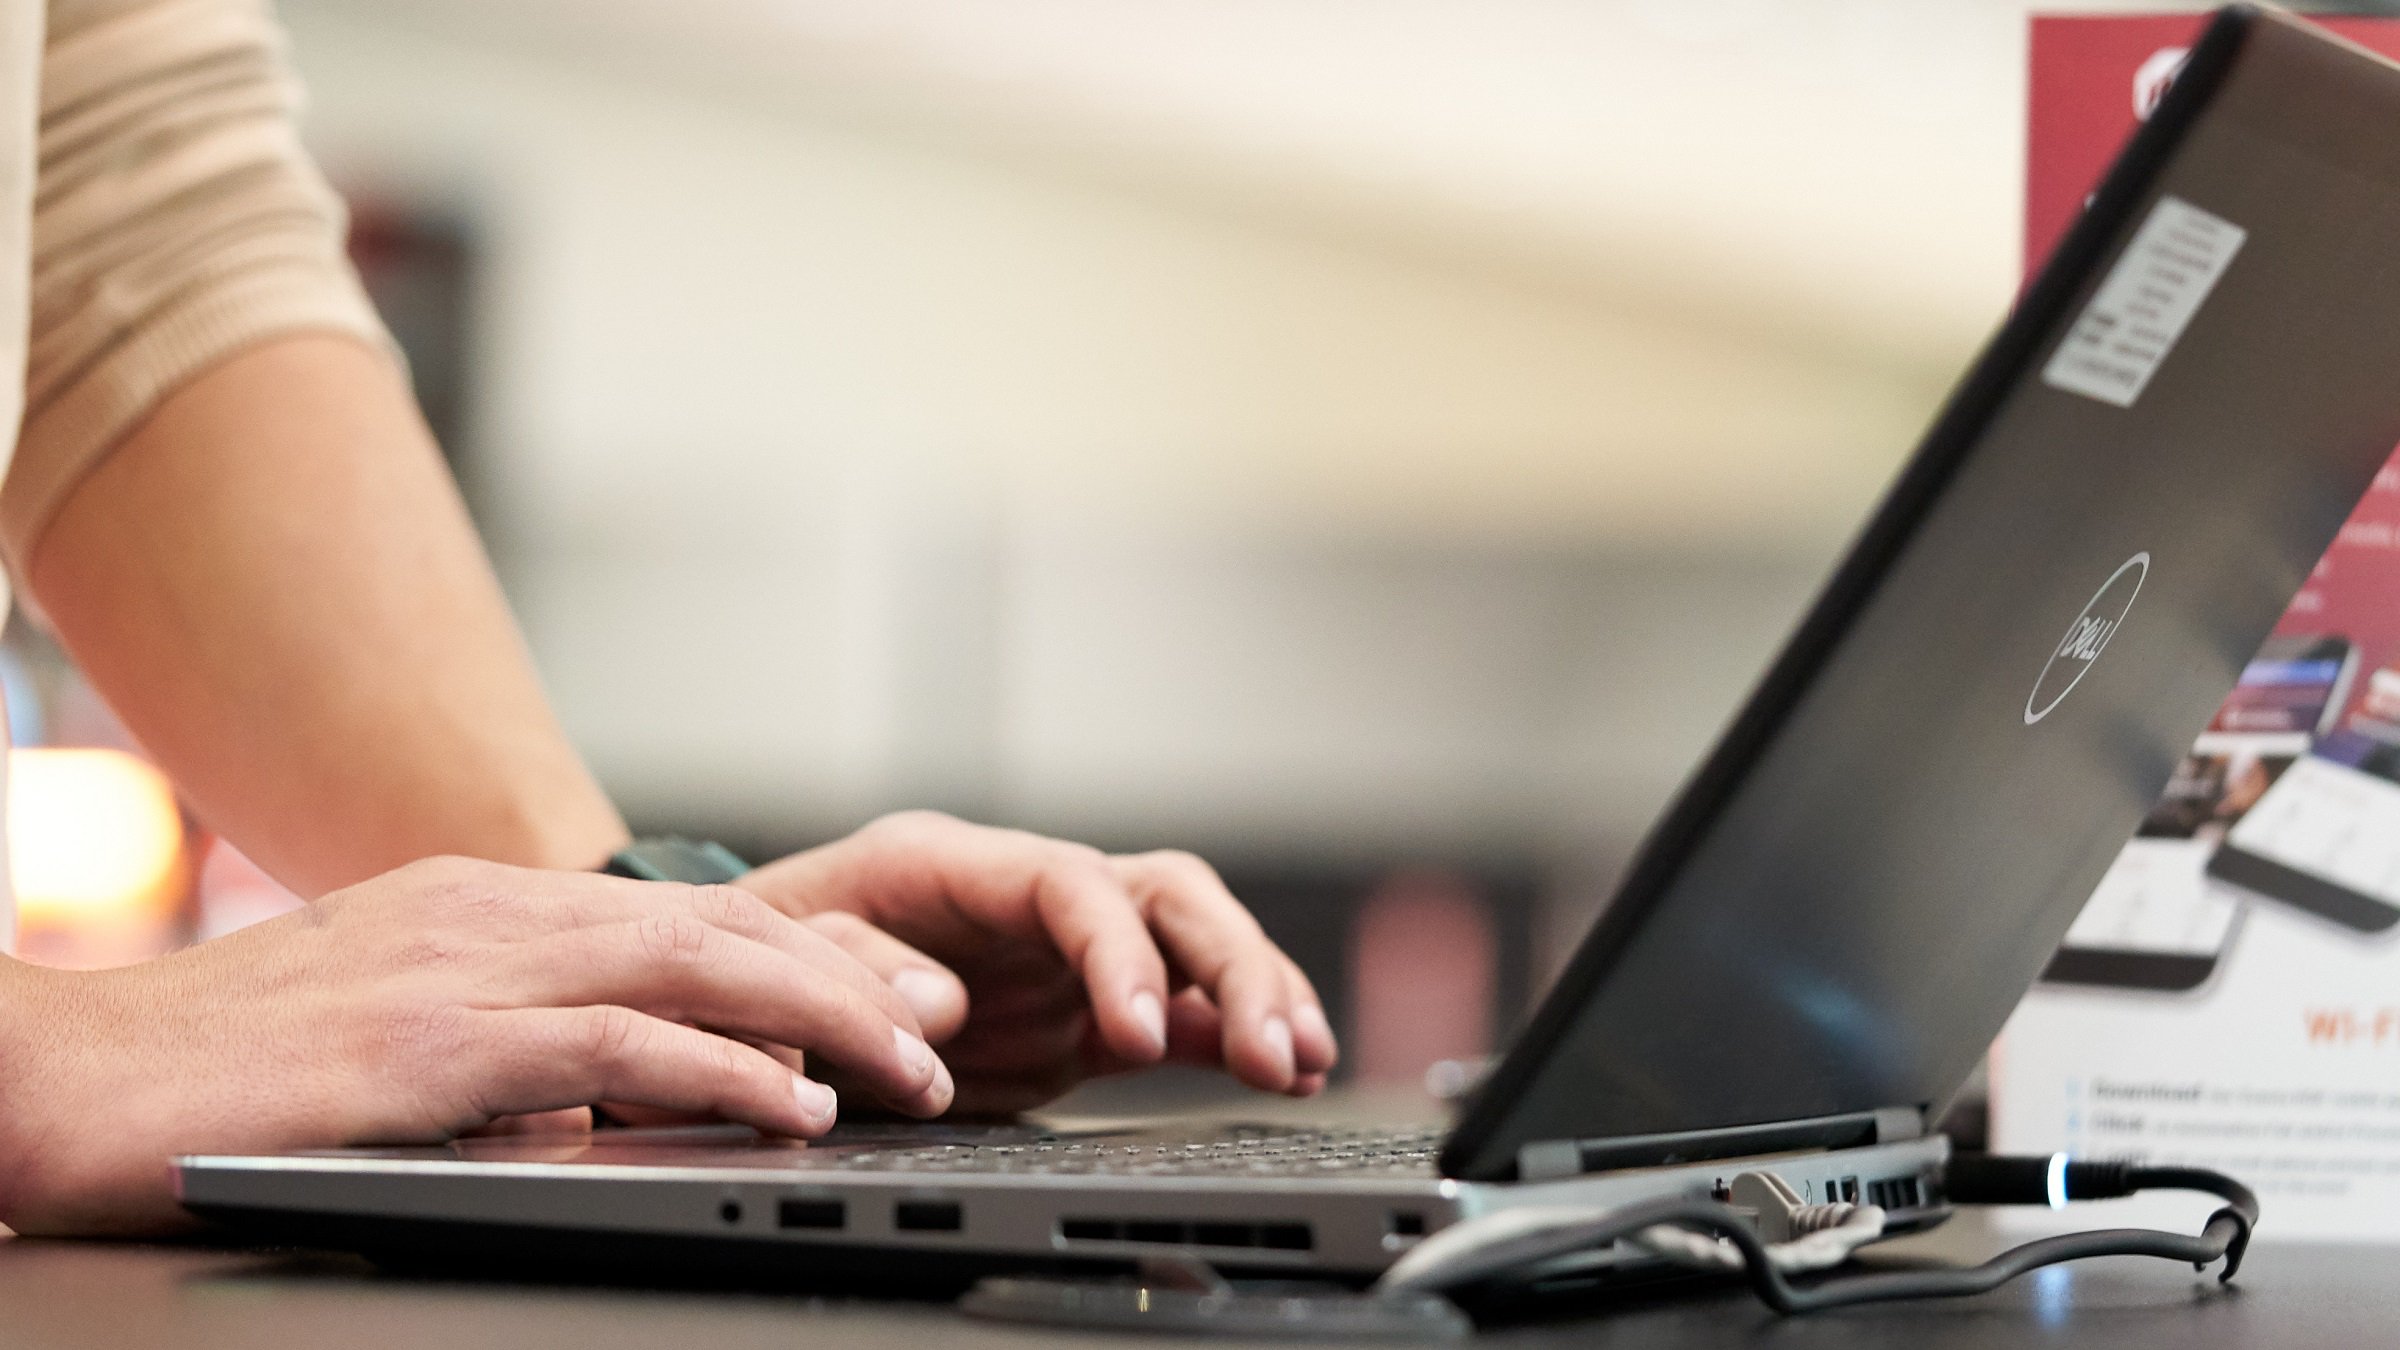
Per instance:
x=99, y=1296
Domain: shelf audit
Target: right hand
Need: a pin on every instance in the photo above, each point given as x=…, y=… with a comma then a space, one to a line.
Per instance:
x=421, y=1005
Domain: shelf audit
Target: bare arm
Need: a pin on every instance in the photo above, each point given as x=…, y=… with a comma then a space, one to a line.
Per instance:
x=272, y=580
x=226, y=503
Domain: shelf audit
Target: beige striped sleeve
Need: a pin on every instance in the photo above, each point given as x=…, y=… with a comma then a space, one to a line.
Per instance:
x=176, y=221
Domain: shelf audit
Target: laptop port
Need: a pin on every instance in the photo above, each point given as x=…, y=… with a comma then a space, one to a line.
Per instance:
x=1846, y=1190
x=1404, y=1223
x=928, y=1216
x=730, y=1212
x=810, y=1214
x=1294, y=1237
x=1289, y=1237
x=1895, y=1193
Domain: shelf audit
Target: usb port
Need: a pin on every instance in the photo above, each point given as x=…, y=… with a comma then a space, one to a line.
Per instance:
x=810, y=1214
x=927, y=1216
x=1846, y=1190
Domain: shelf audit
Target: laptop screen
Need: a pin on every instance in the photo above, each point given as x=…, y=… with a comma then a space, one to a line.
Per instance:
x=1850, y=898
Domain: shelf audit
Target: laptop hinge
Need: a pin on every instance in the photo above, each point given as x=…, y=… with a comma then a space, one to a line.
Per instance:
x=1557, y=1159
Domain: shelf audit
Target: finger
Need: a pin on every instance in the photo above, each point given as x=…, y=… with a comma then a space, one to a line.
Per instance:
x=1073, y=897
x=936, y=996
x=1195, y=1036
x=745, y=915
x=1315, y=1048
x=675, y=967
x=627, y=1114
x=1216, y=942
x=1099, y=929
x=548, y=1059
x=1258, y=1044
x=554, y=902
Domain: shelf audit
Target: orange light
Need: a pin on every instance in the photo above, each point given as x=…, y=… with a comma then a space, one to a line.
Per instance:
x=94, y=839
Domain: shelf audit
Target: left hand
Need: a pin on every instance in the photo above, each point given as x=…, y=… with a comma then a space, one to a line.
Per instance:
x=1033, y=963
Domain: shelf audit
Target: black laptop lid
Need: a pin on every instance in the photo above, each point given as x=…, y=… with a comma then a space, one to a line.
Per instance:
x=1850, y=897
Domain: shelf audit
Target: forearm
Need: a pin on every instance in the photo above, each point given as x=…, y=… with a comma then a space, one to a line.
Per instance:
x=273, y=582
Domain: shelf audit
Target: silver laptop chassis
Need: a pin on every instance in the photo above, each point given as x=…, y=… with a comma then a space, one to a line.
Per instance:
x=785, y=1201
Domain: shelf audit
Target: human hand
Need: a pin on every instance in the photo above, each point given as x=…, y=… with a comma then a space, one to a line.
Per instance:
x=427, y=1003
x=1035, y=963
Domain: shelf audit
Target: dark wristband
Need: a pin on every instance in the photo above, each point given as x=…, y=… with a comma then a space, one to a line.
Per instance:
x=673, y=858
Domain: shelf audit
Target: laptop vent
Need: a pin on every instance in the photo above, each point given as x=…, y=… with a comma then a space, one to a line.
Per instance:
x=1283, y=1237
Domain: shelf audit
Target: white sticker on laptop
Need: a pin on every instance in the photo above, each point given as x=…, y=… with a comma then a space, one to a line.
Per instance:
x=2143, y=305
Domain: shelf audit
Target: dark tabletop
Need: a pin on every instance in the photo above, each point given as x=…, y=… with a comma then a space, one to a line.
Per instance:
x=92, y=1296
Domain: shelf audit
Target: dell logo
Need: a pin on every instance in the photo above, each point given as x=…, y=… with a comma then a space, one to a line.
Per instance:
x=2087, y=637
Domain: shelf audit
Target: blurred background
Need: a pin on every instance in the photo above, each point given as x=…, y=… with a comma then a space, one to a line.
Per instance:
x=1372, y=445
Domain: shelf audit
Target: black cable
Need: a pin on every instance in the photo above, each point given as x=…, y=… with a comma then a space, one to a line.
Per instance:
x=1989, y=1180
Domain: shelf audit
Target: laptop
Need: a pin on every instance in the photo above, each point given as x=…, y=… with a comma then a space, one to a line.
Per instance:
x=1842, y=906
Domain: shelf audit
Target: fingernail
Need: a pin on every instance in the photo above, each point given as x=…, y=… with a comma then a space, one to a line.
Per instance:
x=939, y=1095
x=816, y=1100
x=927, y=995
x=1152, y=1015
x=1311, y=1023
x=915, y=1055
x=1279, y=1047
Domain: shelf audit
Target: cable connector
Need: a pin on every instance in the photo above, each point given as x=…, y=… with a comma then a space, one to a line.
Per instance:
x=2056, y=1181
x=2059, y=1180
x=1516, y=1244
x=1799, y=1236
x=1782, y=1214
x=1789, y=1234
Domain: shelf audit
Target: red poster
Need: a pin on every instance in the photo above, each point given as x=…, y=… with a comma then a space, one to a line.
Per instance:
x=2093, y=80
x=2226, y=997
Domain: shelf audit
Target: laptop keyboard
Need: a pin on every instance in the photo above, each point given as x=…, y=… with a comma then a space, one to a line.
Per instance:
x=1241, y=1150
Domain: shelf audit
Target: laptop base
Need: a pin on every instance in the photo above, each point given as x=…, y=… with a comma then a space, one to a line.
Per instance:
x=724, y=1202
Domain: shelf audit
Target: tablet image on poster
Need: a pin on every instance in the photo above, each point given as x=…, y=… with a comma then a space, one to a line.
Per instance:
x=2157, y=920
x=2326, y=836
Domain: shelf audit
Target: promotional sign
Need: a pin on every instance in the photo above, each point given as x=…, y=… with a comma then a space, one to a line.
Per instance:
x=2230, y=995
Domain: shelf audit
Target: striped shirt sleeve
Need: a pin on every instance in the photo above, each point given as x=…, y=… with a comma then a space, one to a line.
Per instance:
x=177, y=220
